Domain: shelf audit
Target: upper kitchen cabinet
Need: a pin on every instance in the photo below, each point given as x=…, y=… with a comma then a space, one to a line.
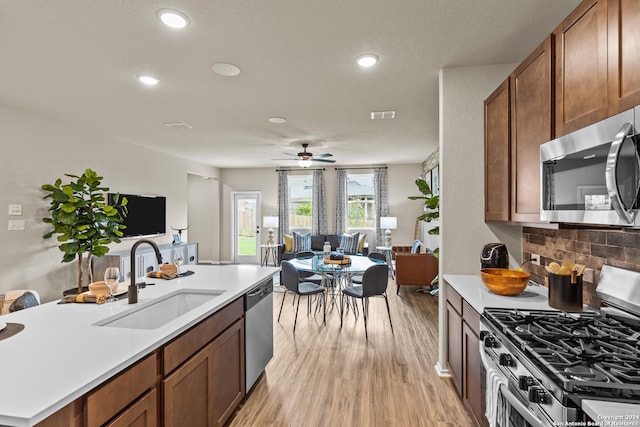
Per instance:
x=581, y=67
x=531, y=126
x=496, y=154
x=624, y=54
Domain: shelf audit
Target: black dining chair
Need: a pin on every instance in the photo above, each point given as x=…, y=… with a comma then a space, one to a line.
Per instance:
x=307, y=276
x=292, y=283
x=374, y=256
x=374, y=283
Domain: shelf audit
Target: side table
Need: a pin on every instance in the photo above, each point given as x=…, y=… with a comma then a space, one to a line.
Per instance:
x=269, y=251
x=387, y=251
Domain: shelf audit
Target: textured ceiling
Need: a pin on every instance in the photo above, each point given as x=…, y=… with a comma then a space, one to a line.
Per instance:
x=76, y=61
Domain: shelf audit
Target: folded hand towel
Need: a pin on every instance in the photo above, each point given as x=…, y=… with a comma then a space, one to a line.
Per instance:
x=494, y=381
x=169, y=268
x=84, y=297
x=162, y=275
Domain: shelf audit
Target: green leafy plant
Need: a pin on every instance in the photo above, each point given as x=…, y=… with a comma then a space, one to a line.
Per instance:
x=82, y=219
x=431, y=208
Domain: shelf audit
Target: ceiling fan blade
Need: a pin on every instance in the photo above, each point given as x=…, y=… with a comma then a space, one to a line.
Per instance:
x=324, y=155
x=323, y=160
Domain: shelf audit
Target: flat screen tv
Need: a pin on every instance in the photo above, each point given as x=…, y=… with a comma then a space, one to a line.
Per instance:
x=147, y=215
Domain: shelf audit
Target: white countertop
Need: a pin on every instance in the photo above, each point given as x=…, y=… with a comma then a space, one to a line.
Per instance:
x=534, y=297
x=478, y=296
x=60, y=355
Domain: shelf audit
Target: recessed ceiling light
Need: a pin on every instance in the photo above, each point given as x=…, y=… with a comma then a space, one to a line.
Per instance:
x=368, y=60
x=277, y=120
x=173, y=18
x=148, y=80
x=226, y=69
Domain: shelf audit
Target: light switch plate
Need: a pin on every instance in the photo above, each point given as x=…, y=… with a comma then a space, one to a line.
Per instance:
x=15, y=210
x=16, y=224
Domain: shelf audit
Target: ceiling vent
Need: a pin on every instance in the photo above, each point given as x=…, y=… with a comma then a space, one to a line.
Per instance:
x=383, y=115
x=178, y=126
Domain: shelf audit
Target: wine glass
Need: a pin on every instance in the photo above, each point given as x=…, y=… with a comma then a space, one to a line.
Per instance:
x=111, y=279
x=178, y=259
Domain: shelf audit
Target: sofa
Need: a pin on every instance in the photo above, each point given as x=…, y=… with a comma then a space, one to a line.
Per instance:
x=413, y=268
x=286, y=250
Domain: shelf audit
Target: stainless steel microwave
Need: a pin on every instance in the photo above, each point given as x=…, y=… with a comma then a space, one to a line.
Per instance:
x=592, y=176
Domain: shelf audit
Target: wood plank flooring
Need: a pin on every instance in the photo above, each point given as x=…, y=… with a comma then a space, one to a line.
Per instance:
x=327, y=376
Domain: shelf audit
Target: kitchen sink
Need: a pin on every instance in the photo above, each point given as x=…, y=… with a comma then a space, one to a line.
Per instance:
x=160, y=311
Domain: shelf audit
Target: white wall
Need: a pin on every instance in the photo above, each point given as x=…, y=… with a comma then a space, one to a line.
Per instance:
x=265, y=180
x=204, y=216
x=463, y=230
x=36, y=151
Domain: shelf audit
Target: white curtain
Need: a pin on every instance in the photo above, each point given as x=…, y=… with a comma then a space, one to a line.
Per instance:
x=382, y=205
x=341, y=202
x=318, y=208
x=283, y=203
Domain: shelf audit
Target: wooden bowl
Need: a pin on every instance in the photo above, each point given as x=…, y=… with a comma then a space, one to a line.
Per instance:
x=502, y=281
x=99, y=288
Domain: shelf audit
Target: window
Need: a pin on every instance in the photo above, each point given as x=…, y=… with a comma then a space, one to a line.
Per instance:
x=361, y=212
x=300, y=190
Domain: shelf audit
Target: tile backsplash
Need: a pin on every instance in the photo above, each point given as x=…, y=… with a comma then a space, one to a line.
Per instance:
x=591, y=247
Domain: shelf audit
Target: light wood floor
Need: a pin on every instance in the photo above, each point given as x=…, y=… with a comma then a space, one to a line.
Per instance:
x=327, y=376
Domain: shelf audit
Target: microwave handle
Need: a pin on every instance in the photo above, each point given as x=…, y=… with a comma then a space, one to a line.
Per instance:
x=610, y=174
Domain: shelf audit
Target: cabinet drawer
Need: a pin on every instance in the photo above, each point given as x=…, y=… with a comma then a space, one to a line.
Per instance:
x=454, y=298
x=187, y=344
x=471, y=317
x=119, y=392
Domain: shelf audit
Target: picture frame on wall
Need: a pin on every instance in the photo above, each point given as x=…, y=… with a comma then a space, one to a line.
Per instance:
x=435, y=181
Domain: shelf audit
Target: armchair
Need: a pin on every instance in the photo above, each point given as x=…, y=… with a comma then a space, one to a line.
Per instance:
x=414, y=269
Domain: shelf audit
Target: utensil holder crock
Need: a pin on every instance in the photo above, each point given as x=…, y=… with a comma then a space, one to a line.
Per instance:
x=564, y=295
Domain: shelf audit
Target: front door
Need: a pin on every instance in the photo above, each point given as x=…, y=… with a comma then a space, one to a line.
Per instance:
x=246, y=228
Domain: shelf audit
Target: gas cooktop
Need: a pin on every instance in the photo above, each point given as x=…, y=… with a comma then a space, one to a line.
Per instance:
x=587, y=353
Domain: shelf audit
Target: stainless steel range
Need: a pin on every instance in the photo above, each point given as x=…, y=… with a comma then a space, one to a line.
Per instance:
x=541, y=364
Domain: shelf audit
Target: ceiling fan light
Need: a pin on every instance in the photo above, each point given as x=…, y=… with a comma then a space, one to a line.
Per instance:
x=304, y=163
x=367, y=60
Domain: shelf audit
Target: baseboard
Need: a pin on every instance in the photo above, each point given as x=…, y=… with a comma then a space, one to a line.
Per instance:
x=442, y=372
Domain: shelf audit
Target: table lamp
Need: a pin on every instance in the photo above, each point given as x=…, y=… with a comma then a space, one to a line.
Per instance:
x=388, y=223
x=270, y=222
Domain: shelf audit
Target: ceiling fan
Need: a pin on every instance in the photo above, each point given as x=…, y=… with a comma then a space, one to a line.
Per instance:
x=305, y=158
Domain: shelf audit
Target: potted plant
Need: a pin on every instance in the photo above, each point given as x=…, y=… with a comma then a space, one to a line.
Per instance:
x=82, y=218
x=431, y=212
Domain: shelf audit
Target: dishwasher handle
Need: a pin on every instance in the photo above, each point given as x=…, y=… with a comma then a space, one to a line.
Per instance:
x=257, y=294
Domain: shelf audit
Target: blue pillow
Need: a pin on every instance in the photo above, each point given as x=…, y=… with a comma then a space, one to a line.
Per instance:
x=349, y=243
x=301, y=242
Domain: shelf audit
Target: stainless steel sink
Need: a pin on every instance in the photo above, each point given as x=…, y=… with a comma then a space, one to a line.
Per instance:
x=160, y=311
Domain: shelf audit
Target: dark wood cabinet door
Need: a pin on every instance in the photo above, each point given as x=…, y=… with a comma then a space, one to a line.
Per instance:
x=188, y=392
x=581, y=67
x=454, y=346
x=228, y=372
x=496, y=154
x=624, y=54
x=143, y=413
x=531, y=126
x=472, y=384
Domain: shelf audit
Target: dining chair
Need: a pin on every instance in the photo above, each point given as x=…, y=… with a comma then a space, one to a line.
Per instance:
x=374, y=283
x=375, y=256
x=292, y=283
x=306, y=275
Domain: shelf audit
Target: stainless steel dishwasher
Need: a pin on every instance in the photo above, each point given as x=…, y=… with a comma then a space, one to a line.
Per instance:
x=258, y=303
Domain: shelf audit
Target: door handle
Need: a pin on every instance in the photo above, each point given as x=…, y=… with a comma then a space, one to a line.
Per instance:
x=626, y=214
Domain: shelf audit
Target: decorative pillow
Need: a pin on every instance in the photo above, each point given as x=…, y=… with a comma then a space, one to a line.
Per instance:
x=349, y=243
x=361, y=240
x=301, y=242
x=288, y=242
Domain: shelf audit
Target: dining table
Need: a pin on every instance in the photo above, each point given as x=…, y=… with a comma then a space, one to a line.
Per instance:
x=335, y=277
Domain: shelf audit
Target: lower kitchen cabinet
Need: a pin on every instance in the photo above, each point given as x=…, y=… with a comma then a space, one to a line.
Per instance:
x=463, y=354
x=143, y=413
x=207, y=388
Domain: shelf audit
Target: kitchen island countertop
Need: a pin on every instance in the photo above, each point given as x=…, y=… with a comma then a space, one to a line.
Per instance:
x=61, y=355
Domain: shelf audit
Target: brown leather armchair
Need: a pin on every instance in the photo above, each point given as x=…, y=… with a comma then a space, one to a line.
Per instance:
x=414, y=269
